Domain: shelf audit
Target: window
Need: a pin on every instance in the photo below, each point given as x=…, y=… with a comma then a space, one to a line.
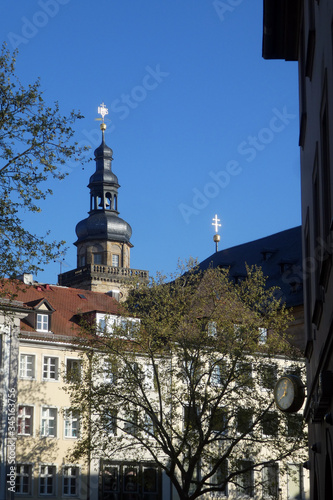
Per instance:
x=47, y=480
x=101, y=325
x=72, y=424
x=70, y=479
x=115, y=260
x=42, y=323
x=243, y=374
x=25, y=420
x=244, y=420
x=111, y=422
x=110, y=372
x=219, y=479
x=131, y=424
x=270, y=481
x=23, y=479
x=97, y=258
x=268, y=377
x=128, y=481
x=245, y=480
x=218, y=374
x=262, y=335
x=150, y=483
x=149, y=424
x=110, y=481
x=27, y=366
x=295, y=482
x=149, y=379
x=190, y=417
x=270, y=424
x=50, y=368
x=73, y=370
x=49, y=422
x=294, y=425
x=212, y=329
x=219, y=420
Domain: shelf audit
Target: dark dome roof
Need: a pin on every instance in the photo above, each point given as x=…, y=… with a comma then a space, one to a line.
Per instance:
x=105, y=176
x=103, y=151
x=103, y=226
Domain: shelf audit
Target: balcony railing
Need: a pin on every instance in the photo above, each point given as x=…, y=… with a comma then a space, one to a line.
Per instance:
x=108, y=272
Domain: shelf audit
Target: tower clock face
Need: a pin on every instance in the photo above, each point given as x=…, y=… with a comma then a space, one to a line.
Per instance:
x=289, y=393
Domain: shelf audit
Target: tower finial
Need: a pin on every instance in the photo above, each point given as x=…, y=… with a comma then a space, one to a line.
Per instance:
x=102, y=110
x=216, y=236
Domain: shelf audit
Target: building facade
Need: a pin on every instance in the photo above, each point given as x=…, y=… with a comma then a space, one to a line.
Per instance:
x=48, y=357
x=11, y=312
x=302, y=31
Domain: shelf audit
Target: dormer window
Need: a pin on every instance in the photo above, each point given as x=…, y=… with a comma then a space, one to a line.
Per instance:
x=42, y=323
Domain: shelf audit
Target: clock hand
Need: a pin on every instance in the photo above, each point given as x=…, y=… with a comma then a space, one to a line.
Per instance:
x=285, y=391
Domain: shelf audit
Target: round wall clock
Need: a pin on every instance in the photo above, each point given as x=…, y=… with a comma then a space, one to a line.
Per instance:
x=289, y=393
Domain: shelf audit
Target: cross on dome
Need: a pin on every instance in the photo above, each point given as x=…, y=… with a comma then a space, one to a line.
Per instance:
x=216, y=223
x=103, y=110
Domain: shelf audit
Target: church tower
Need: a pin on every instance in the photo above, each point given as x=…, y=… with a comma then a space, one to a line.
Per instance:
x=103, y=238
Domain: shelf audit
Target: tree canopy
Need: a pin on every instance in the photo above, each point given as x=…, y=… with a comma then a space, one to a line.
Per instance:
x=35, y=142
x=190, y=386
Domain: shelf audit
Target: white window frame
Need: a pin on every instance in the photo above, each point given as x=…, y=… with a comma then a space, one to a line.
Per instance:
x=21, y=474
x=46, y=419
x=70, y=476
x=76, y=366
x=43, y=321
x=115, y=260
x=47, y=367
x=297, y=469
x=71, y=424
x=25, y=417
x=24, y=366
x=49, y=472
x=105, y=323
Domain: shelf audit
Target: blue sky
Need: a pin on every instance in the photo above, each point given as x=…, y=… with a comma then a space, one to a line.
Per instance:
x=199, y=124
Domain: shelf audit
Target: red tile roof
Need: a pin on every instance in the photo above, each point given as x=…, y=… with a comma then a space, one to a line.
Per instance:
x=68, y=304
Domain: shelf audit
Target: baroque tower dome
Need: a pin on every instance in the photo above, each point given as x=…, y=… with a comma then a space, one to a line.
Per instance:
x=103, y=238
x=103, y=222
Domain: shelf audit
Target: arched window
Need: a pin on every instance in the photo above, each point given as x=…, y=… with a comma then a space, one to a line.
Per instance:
x=108, y=201
x=115, y=202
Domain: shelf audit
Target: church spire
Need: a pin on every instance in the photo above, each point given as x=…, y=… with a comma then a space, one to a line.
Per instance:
x=103, y=238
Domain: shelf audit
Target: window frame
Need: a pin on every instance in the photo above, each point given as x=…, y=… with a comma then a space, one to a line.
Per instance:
x=25, y=417
x=47, y=368
x=76, y=370
x=44, y=321
x=47, y=475
x=70, y=418
x=44, y=429
x=77, y=480
x=23, y=475
x=26, y=369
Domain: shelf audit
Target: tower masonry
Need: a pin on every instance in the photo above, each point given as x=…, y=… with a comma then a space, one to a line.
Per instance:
x=103, y=238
